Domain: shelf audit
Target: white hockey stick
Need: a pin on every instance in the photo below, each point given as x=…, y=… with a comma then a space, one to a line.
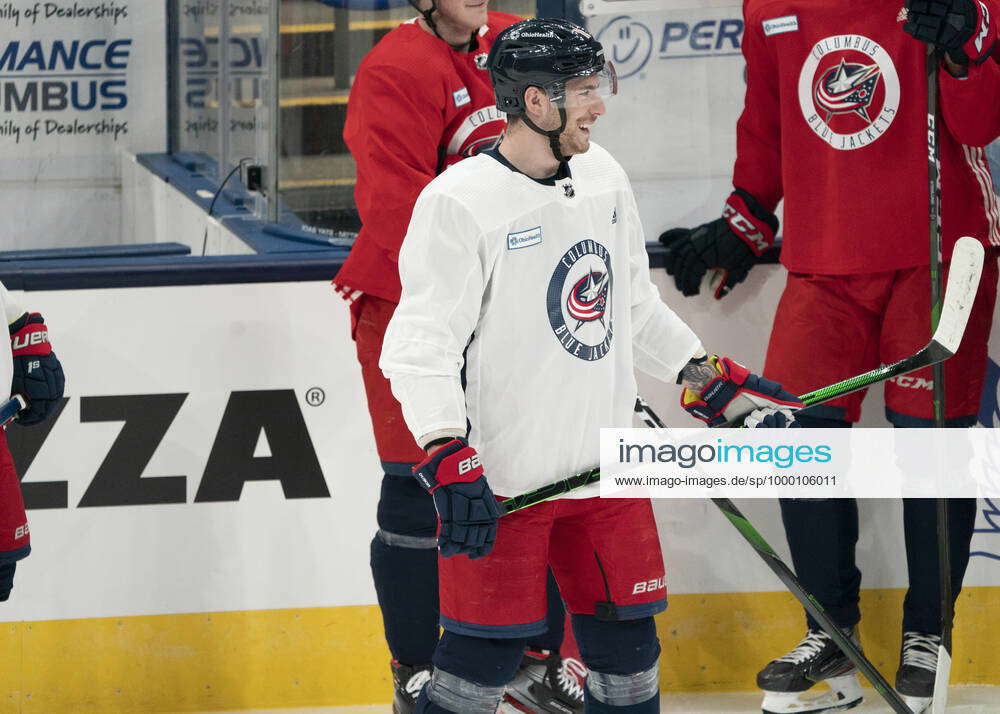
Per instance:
x=963, y=284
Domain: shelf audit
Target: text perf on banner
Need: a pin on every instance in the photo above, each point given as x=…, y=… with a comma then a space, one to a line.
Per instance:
x=800, y=463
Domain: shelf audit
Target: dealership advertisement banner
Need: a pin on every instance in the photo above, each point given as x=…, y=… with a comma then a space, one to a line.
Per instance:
x=80, y=81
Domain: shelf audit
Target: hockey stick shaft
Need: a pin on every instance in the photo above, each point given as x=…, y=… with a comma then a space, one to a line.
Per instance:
x=10, y=408
x=550, y=491
x=934, y=219
x=792, y=583
x=943, y=668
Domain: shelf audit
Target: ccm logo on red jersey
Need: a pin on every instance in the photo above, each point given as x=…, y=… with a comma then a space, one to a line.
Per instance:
x=648, y=586
x=466, y=465
x=20, y=532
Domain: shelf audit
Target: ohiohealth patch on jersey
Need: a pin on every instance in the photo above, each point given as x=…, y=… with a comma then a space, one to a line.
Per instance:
x=461, y=97
x=578, y=301
x=780, y=25
x=524, y=239
x=848, y=91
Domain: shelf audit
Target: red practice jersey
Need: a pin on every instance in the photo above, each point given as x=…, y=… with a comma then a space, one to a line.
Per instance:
x=835, y=122
x=416, y=107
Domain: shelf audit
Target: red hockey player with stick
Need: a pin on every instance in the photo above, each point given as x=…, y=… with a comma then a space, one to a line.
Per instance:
x=835, y=124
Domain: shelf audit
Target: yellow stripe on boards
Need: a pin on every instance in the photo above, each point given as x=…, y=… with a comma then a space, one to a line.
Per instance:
x=324, y=100
x=337, y=656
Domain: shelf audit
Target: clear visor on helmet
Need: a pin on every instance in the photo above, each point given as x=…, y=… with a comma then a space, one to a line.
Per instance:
x=586, y=90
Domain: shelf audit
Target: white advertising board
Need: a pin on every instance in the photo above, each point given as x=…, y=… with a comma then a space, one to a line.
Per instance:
x=215, y=454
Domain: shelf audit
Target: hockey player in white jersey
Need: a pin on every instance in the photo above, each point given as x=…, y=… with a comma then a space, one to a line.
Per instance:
x=526, y=305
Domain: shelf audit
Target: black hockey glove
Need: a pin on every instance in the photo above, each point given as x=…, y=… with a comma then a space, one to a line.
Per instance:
x=964, y=28
x=38, y=375
x=466, y=507
x=729, y=244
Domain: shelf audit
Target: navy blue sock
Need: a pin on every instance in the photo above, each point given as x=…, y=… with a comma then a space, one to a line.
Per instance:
x=555, y=620
x=409, y=614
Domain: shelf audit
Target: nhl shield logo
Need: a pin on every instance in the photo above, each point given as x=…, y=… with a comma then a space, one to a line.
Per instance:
x=579, y=303
x=848, y=91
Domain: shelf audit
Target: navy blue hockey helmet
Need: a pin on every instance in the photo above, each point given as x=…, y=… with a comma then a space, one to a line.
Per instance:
x=545, y=53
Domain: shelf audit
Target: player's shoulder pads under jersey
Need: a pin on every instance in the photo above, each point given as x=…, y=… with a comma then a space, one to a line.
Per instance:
x=497, y=21
x=756, y=11
x=400, y=48
x=598, y=167
x=488, y=190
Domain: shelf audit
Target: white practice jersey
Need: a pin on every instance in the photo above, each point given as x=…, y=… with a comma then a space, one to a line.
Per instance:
x=535, y=296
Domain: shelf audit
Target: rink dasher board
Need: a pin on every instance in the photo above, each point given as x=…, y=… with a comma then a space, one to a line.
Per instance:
x=173, y=359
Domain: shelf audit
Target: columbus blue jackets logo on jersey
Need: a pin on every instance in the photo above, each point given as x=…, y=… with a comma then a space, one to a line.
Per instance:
x=479, y=131
x=848, y=91
x=847, y=88
x=588, y=300
x=579, y=302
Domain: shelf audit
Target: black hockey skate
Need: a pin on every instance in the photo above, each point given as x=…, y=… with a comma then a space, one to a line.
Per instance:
x=545, y=684
x=815, y=659
x=407, y=682
x=917, y=669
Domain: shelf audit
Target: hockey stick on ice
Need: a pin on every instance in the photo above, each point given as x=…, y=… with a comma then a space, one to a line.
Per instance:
x=963, y=282
x=943, y=671
x=794, y=586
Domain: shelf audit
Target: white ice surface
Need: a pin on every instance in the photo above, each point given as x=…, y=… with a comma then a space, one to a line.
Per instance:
x=961, y=700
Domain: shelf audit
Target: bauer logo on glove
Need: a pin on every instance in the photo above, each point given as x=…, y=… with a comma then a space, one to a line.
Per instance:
x=466, y=507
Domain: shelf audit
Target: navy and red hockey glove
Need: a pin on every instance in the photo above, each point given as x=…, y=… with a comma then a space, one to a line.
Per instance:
x=770, y=418
x=38, y=375
x=733, y=394
x=466, y=507
x=730, y=245
x=964, y=28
